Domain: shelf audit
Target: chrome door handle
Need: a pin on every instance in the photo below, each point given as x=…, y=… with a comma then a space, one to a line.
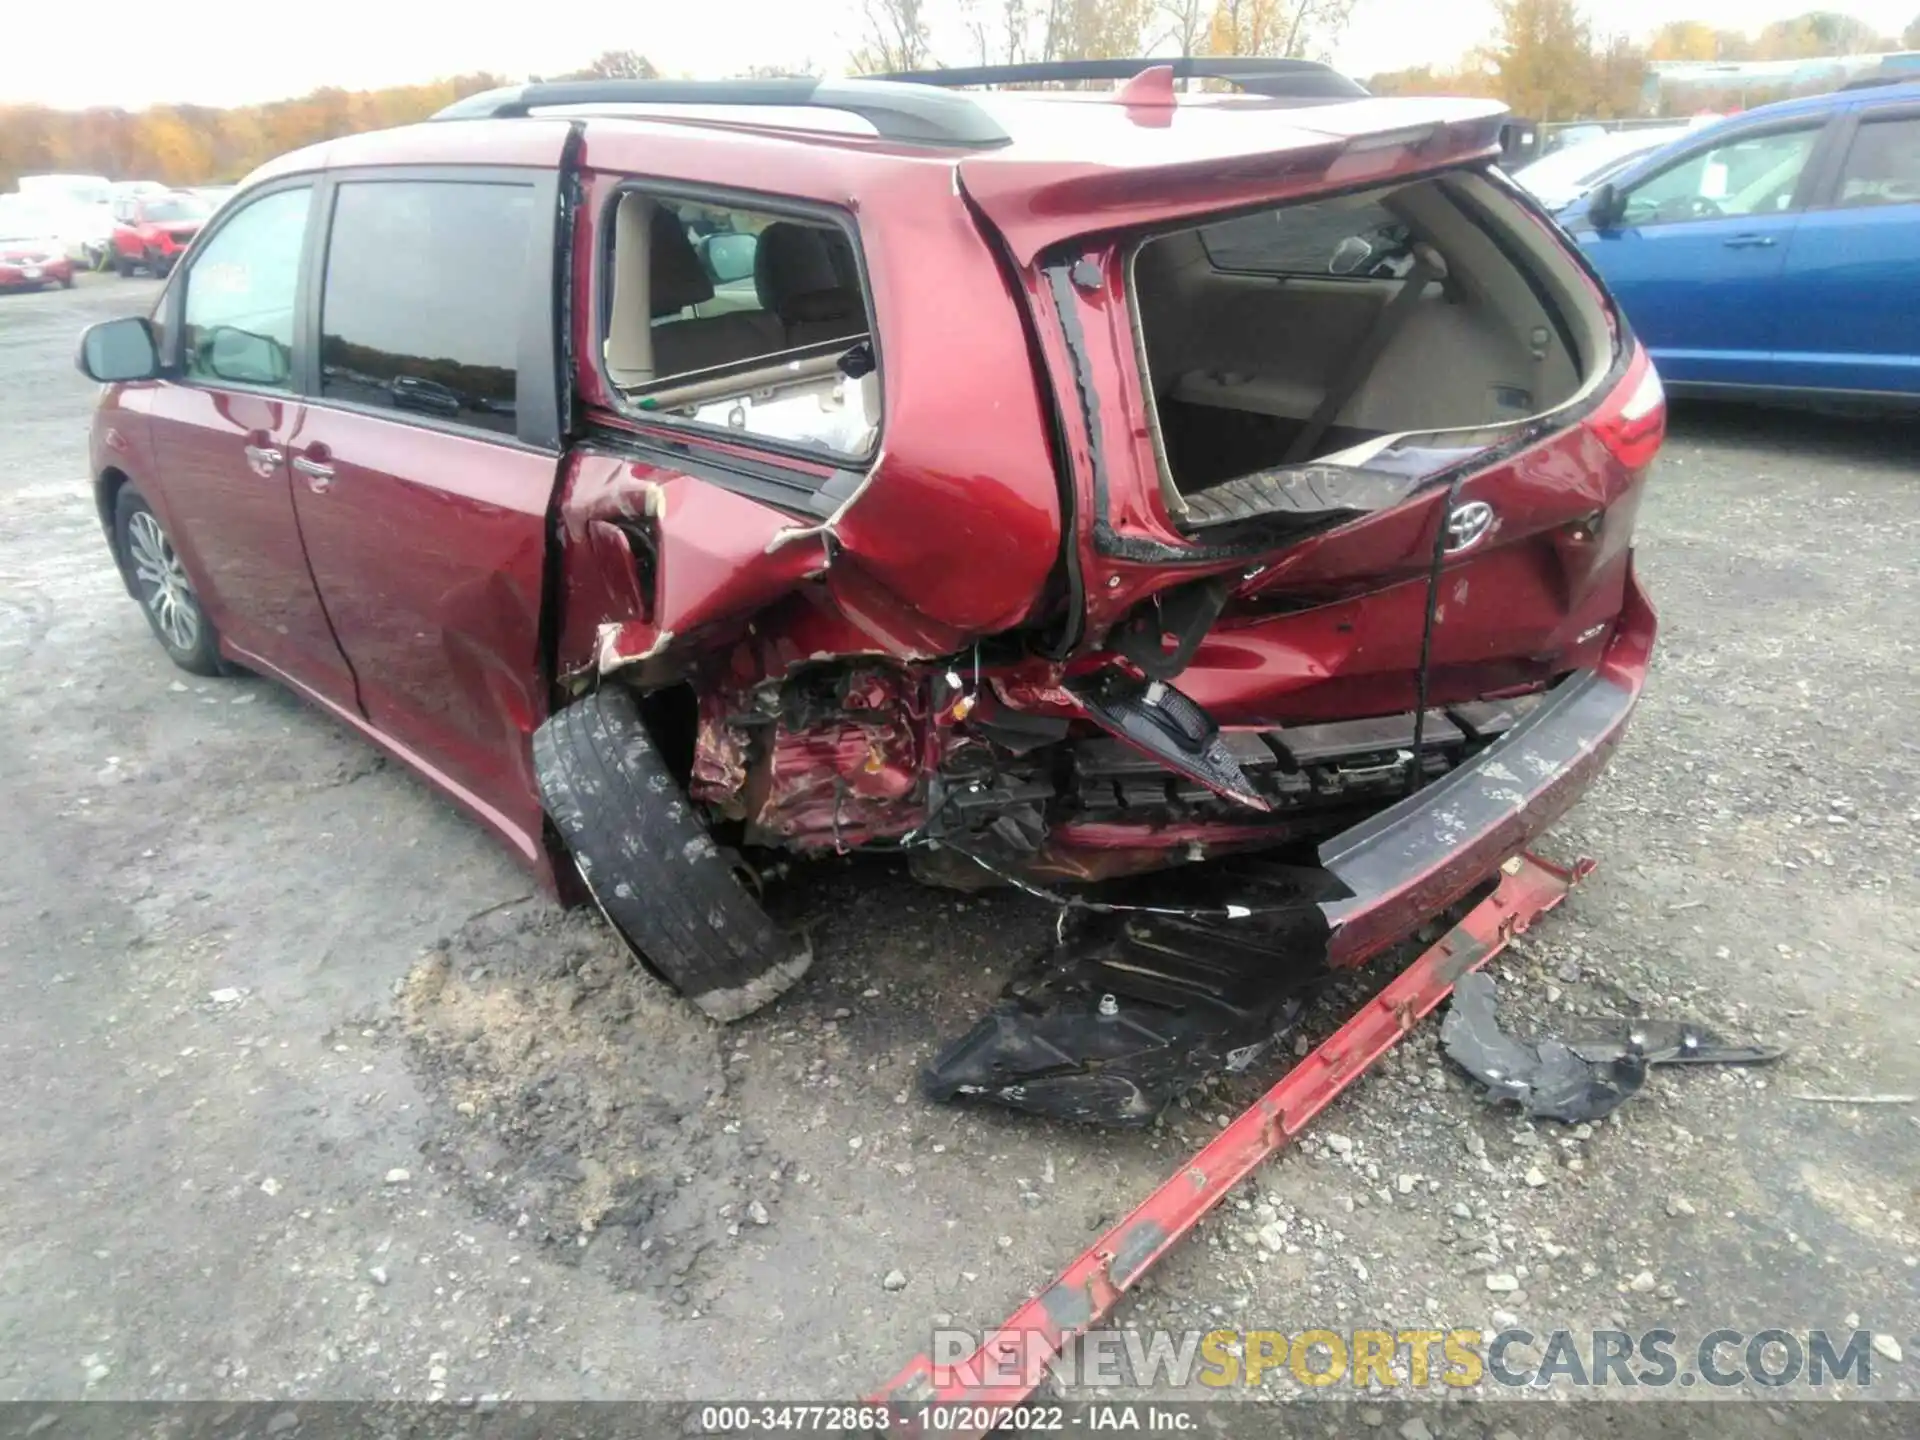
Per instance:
x=263, y=460
x=1750, y=242
x=319, y=476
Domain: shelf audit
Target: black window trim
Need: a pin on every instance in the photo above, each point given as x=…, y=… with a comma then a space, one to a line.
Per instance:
x=693, y=432
x=1847, y=126
x=1819, y=161
x=173, y=301
x=538, y=424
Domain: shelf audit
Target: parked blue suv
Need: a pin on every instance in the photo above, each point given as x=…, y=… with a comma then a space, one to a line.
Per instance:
x=1775, y=255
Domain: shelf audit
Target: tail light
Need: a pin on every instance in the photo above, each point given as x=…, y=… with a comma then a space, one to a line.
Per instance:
x=1632, y=421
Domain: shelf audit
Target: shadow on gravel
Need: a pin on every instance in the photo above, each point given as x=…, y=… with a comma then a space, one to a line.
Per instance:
x=1807, y=434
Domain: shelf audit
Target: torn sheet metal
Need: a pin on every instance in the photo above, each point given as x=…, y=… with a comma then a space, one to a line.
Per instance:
x=1573, y=1081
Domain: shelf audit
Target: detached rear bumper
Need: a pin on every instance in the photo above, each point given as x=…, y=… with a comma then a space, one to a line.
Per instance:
x=1411, y=861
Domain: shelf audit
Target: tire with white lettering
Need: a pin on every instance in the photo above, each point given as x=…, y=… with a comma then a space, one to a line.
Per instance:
x=651, y=865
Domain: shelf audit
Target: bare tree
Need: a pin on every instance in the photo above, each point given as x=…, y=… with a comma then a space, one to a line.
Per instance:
x=1184, y=22
x=1000, y=31
x=1092, y=29
x=896, y=36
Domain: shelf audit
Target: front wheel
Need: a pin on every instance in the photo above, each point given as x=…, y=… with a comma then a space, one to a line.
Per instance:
x=161, y=585
x=649, y=862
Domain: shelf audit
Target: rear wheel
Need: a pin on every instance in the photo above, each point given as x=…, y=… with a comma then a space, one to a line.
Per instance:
x=122, y=266
x=161, y=585
x=673, y=895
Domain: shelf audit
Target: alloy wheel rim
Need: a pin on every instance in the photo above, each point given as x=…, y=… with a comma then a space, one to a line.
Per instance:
x=163, y=582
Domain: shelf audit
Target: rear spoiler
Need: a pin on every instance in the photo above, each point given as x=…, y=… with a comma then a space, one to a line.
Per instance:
x=1191, y=160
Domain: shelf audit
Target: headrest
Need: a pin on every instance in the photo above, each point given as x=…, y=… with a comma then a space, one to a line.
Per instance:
x=675, y=277
x=805, y=272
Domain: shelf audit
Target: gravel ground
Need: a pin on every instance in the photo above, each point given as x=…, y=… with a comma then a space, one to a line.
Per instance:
x=305, y=1094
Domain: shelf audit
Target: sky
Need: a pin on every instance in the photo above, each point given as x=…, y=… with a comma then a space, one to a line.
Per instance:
x=200, y=53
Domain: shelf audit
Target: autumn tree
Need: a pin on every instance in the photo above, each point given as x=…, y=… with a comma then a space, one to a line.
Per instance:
x=1473, y=77
x=1294, y=29
x=1696, y=40
x=1543, y=58
x=196, y=144
x=1818, y=33
x=1091, y=29
x=615, y=65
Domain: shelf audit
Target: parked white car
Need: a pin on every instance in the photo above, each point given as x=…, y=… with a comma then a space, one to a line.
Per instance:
x=1559, y=179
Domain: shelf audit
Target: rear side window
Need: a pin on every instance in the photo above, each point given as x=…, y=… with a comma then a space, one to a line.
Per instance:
x=425, y=284
x=1883, y=164
x=1313, y=239
x=749, y=321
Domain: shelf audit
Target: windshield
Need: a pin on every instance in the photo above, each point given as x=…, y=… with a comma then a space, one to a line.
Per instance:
x=183, y=207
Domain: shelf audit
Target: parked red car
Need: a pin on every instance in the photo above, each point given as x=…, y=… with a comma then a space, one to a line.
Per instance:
x=151, y=232
x=1084, y=485
x=32, y=254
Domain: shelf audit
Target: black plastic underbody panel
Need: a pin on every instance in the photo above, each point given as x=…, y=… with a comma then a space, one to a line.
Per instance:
x=1132, y=1010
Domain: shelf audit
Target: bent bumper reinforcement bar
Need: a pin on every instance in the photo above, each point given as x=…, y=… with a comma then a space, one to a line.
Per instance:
x=1011, y=1362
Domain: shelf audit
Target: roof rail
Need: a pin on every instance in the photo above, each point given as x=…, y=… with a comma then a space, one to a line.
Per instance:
x=914, y=114
x=1258, y=75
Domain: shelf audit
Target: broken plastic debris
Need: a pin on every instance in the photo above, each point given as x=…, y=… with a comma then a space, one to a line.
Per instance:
x=1578, y=1080
x=226, y=995
x=1140, y=1002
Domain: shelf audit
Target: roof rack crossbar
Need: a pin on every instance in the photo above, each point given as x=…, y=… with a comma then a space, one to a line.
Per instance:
x=915, y=114
x=1258, y=75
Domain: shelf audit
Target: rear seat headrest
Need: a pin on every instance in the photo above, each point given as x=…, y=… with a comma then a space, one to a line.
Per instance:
x=805, y=272
x=676, y=278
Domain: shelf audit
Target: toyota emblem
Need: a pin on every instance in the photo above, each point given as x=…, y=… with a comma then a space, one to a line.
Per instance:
x=1467, y=525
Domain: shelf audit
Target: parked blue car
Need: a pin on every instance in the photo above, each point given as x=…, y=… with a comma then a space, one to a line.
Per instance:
x=1775, y=255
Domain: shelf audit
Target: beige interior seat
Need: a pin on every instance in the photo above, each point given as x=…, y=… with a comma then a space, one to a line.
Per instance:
x=806, y=276
x=679, y=282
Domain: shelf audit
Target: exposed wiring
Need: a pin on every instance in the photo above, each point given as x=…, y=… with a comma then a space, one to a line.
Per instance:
x=1067, y=903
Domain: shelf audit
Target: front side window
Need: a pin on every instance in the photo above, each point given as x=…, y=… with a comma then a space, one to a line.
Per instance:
x=752, y=321
x=425, y=286
x=243, y=289
x=1883, y=164
x=1752, y=176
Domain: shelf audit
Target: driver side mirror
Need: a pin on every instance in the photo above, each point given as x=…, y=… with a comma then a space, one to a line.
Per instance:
x=118, y=350
x=1605, y=206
